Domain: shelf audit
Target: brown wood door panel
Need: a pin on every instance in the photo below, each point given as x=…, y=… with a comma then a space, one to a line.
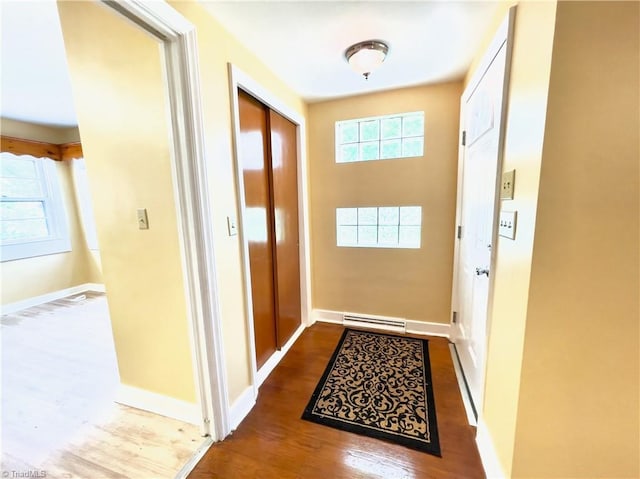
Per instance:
x=257, y=225
x=284, y=177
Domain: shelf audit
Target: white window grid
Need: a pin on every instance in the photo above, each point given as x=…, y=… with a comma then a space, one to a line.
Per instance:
x=380, y=138
x=379, y=227
x=33, y=185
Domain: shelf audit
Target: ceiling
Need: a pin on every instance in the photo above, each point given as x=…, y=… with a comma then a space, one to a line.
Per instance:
x=302, y=42
x=34, y=78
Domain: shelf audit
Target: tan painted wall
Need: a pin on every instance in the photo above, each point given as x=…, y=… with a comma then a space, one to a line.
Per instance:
x=27, y=278
x=408, y=283
x=118, y=88
x=526, y=115
x=581, y=365
x=217, y=48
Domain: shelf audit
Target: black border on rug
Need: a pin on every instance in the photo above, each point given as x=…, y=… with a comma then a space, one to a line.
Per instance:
x=432, y=447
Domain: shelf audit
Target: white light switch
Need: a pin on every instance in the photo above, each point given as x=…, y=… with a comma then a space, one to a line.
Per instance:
x=507, y=185
x=232, y=226
x=143, y=221
x=507, y=225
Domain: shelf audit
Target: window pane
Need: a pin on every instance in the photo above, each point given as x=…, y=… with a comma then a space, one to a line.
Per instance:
x=380, y=138
x=15, y=210
x=411, y=215
x=410, y=236
x=20, y=188
x=15, y=167
x=348, y=132
x=369, y=130
x=391, y=149
x=412, y=147
x=347, y=235
x=388, y=235
x=369, y=151
x=347, y=216
x=367, y=235
x=391, y=128
x=413, y=125
x=348, y=153
x=388, y=215
x=23, y=229
x=367, y=216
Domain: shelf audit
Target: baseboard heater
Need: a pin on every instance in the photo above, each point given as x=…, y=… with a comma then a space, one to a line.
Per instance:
x=363, y=321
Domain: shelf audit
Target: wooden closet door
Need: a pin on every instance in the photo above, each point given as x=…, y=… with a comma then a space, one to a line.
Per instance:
x=254, y=154
x=284, y=176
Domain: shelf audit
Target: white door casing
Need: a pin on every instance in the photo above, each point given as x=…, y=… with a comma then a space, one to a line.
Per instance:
x=483, y=109
x=238, y=79
x=193, y=203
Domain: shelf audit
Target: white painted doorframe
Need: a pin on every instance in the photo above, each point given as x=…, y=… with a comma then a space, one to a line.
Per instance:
x=193, y=202
x=240, y=80
x=502, y=38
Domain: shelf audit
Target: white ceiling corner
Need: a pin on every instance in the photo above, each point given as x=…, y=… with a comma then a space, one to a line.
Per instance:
x=34, y=76
x=303, y=42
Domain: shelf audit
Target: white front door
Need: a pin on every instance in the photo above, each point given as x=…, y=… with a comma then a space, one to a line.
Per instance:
x=481, y=116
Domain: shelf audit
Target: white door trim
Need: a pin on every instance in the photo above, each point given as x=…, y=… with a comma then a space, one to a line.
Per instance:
x=193, y=202
x=239, y=79
x=503, y=35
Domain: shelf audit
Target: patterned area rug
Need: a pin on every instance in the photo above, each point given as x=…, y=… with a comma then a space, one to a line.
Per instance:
x=379, y=385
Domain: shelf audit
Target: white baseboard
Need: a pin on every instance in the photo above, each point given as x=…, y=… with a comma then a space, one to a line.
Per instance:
x=159, y=404
x=53, y=296
x=195, y=459
x=490, y=461
x=241, y=407
x=275, y=358
x=462, y=386
x=413, y=327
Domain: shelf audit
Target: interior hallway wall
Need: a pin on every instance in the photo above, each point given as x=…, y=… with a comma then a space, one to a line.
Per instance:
x=119, y=94
x=407, y=283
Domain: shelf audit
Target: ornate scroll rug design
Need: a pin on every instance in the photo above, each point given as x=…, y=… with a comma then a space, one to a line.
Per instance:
x=379, y=385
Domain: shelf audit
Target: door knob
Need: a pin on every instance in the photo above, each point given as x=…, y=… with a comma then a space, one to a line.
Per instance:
x=481, y=271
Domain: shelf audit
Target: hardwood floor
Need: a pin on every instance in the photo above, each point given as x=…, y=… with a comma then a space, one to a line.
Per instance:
x=273, y=442
x=59, y=379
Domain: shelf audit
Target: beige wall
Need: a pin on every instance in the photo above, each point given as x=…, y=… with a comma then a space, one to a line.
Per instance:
x=217, y=48
x=561, y=393
x=140, y=123
x=27, y=278
x=118, y=88
x=526, y=114
x=581, y=368
x=407, y=283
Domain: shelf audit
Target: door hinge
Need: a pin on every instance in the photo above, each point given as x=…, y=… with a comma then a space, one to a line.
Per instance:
x=459, y=232
x=454, y=318
x=464, y=137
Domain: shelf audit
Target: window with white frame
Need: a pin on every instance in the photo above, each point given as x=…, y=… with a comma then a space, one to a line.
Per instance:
x=379, y=226
x=380, y=137
x=32, y=218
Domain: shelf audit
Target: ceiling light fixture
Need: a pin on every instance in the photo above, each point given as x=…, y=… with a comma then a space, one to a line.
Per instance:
x=364, y=57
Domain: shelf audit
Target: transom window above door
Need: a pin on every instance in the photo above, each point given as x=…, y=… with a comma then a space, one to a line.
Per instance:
x=379, y=227
x=380, y=137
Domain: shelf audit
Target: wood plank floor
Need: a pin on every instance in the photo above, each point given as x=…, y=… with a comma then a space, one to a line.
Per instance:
x=59, y=380
x=273, y=442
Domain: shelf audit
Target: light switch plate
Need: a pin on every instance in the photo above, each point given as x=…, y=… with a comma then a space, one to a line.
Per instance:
x=507, y=185
x=232, y=226
x=143, y=221
x=507, y=225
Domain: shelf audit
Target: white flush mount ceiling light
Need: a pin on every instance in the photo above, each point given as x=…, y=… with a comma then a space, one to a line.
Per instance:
x=364, y=57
